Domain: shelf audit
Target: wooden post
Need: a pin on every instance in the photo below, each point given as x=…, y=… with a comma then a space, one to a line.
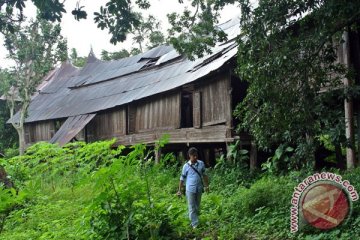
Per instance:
x=349, y=130
x=348, y=106
x=253, y=156
x=227, y=151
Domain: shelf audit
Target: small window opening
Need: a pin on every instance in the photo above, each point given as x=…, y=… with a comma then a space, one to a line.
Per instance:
x=186, y=110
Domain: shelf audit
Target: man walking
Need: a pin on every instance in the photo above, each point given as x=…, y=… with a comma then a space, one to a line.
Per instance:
x=193, y=173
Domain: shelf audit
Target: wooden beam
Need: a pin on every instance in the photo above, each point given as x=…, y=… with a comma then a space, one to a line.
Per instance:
x=209, y=134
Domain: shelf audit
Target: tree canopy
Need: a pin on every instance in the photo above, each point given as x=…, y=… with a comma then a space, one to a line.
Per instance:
x=35, y=48
x=192, y=32
x=146, y=35
x=7, y=134
x=288, y=54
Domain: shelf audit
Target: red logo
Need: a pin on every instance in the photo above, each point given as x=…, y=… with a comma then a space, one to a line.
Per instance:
x=325, y=206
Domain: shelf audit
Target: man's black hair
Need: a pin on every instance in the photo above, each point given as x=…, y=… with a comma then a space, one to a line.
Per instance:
x=193, y=151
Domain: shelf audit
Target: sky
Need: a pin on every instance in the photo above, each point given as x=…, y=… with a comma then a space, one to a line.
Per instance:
x=83, y=34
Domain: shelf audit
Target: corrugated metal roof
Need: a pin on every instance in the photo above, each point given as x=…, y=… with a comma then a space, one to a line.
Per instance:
x=157, y=52
x=168, y=56
x=102, y=85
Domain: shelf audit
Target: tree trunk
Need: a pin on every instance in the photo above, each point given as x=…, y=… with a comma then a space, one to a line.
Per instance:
x=4, y=179
x=22, y=144
x=20, y=129
x=348, y=106
x=349, y=127
x=354, y=37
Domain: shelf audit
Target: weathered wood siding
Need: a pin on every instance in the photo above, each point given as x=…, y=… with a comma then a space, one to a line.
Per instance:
x=197, y=109
x=160, y=112
x=215, y=101
x=107, y=125
x=39, y=131
x=146, y=120
x=210, y=134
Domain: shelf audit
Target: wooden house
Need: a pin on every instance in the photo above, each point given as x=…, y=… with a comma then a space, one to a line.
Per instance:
x=140, y=98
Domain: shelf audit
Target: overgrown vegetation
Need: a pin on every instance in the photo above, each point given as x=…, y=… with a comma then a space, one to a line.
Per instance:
x=288, y=53
x=94, y=191
x=35, y=49
x=8, y=136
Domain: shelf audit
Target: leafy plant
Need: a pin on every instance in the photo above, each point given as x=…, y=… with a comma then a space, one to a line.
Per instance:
x=281, y=161
x=96, y=191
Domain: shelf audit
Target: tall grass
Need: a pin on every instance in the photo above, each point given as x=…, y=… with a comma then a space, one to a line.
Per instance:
x=93, y=191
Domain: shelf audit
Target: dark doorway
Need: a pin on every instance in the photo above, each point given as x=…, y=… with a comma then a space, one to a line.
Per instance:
x=239, y=89
x=186, y=109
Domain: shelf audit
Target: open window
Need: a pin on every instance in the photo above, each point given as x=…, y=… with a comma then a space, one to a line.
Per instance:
x=238, y=93
x=130, y=118
x=186, y=109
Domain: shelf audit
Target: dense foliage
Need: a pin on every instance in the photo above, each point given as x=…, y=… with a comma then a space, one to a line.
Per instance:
x=118, y=17
x=35, y=49
x=8, y=137
x=288, y=54
x=145, y=36
x=93, y=191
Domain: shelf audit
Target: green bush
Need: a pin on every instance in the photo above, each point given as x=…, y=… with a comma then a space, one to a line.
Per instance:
x=94, y=191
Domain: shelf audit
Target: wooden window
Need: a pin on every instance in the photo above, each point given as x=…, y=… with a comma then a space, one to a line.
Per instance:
x=186, y=110
x=131, y=119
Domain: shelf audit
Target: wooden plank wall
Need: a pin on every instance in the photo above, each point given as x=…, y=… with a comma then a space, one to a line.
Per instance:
x=131, y=116
x=197, y=109
x=210, y=134
x=160, y=112
x=39, y=131
x=157, y=114
x=216, y=101
x=107, y=125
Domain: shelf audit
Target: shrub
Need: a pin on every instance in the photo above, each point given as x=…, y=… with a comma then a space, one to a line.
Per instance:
x=94, y=191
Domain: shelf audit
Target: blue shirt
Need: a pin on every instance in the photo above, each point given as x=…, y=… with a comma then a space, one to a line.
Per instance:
x=192, y=179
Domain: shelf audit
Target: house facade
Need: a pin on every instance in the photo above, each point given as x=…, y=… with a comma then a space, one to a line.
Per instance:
x=140, y=98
